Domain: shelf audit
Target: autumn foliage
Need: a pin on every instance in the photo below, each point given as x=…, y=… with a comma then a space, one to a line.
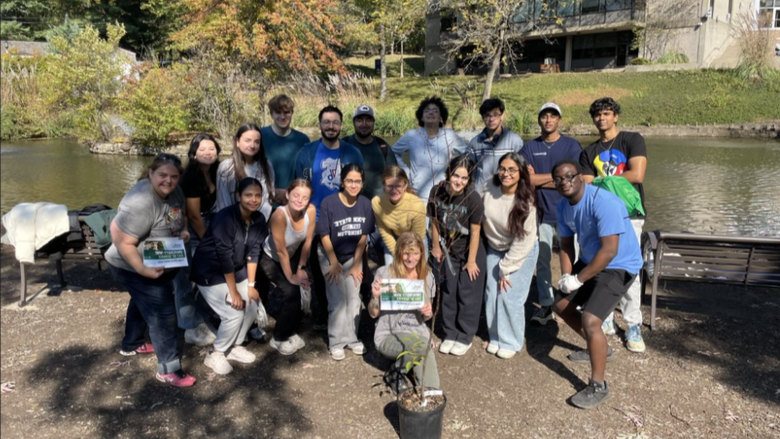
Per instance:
x=281, y=35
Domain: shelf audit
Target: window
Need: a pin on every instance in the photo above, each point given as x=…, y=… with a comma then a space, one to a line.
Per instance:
x=567, y=8
x=592, y=6
x=616, y=5
x=524, y=12
x=769, y=16
x=448, y=20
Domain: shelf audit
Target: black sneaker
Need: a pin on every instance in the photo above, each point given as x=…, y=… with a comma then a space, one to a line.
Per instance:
x=583, y=356
x=591, y=396
x=396, y=380
x=543, y=315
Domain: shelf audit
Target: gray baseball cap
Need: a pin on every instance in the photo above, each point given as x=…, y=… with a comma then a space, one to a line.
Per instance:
x=364, y=110
x=551, y=106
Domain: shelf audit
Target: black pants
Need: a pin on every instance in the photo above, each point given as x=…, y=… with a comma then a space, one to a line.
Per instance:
x=461, y=300
x=284, y=301
x=320, y=298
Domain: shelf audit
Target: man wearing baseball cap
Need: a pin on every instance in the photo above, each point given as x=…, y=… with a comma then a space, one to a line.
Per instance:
x=373, y=148
x=541, y=154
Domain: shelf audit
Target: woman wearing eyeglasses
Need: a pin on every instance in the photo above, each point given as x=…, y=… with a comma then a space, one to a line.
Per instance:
x=456, y=215
x=512, y=250
x=397, y=210
x=248, y=160
x=344, y=222
x=153, y=208
x=430, y=147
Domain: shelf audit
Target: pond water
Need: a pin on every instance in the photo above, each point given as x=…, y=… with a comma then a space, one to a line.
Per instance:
x=704, y=185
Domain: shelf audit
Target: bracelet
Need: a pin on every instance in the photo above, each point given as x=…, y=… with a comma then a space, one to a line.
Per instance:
x=251, y=284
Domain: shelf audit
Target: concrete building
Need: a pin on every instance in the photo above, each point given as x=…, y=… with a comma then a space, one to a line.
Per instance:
x=605, y=34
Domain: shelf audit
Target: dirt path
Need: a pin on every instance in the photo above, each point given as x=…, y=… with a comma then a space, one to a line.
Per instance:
x=712, y=370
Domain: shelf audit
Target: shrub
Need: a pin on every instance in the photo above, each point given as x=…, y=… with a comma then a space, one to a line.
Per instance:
x=157, y=105
x=673, y=58
x=640, y=61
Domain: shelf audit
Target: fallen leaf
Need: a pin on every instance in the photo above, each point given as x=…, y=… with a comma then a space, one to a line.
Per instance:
x=210, y=376
x=730, y=416
x=8, y=387
x=307, y=365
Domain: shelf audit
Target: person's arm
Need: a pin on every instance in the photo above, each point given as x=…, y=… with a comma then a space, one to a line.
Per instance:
x=471, y=262
x=399, y=148
x=379, y=216
x=278, y=225
x=223, y=231
x=251, y=274
x=607, y=252
x=518, y=252
x=541, y=180
x=302, y=275
x=236, y=302
x=194, y=216
x=334, y=271
x=637, y=166
x=436, y=250
x=374, y=305
x=357, y=262
x=588, y=172
x=567, y=254
x=127, y=246
x=225, y=185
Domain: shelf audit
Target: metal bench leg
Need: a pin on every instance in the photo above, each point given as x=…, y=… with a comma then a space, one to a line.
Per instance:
x=60, y=275
x=23, y=286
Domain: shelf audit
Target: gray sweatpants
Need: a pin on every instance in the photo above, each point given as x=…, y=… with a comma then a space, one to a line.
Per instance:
x=235, y=324
x=343, y=305
x=394, y=344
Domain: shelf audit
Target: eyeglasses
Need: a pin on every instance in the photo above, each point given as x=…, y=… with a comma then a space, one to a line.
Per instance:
x=327, y=123
x=557, y=181
x=394, y=187
x=168, y=158
x=431, y=110
x=510, y=171
x=492, y=116
x=350, y=181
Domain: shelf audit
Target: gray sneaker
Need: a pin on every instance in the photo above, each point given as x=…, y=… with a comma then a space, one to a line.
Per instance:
x=543, y=315
x=583, y=356
x=286, y=347
x=591, y=396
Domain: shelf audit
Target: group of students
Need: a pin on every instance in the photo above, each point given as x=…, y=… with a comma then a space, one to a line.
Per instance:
x=261, y=228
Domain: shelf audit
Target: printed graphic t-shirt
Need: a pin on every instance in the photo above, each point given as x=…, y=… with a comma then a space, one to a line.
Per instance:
x=454, y=217
x=601, y=159
x=345, y=225
x=326, y=174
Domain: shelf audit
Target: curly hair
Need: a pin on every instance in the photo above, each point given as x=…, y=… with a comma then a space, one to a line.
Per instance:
x=437, y=101
x=602, y=104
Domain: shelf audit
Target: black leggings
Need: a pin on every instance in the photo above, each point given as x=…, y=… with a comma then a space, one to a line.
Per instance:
x=284, y=302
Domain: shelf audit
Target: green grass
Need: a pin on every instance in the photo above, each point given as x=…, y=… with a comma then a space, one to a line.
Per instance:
x=693, y=97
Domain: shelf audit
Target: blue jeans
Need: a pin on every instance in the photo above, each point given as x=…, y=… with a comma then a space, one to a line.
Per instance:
x=505, y=311
x=191, y=308
x=544, y=286
x=152, y=306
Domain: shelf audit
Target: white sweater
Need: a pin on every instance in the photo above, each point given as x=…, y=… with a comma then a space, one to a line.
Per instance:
x=496, y=227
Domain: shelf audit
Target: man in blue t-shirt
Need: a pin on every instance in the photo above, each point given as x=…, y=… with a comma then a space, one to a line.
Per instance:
x=281, y=142
x=609, y=261
x=541, y=154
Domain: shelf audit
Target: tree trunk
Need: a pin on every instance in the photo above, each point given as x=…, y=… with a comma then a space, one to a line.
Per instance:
x=383, y=63
x=494, y=66
x=402, y=58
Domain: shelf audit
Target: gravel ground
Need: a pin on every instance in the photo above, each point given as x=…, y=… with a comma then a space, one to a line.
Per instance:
x=711, y=369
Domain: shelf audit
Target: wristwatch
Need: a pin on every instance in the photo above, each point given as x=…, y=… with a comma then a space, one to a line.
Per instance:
x=301, y=267
x=251, y=284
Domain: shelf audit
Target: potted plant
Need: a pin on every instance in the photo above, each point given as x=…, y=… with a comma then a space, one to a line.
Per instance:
x=420, y=409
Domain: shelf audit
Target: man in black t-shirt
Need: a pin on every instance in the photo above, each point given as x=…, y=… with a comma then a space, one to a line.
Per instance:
x=624, y=154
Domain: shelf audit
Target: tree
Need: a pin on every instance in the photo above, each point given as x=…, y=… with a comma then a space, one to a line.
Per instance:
x=282, y=36
x=21, y=18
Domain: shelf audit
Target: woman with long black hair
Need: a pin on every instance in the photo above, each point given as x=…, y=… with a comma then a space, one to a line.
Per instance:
x=512, y=250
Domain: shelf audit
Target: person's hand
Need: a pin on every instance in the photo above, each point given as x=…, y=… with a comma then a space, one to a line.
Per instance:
x=300, y=278
x=357, y=274
x=236, y=302
x=185, y=235
x=436, y=253
x=504, y=285
x=426, y=311
x=254, y=296
x=375, y=288
x=152, y=272
x=562, y=280
x=569, y=284
x=333, y=273
x=472, y=269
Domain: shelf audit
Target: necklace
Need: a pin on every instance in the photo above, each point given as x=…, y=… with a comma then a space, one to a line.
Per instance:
x=604, y=148
x=550, y=145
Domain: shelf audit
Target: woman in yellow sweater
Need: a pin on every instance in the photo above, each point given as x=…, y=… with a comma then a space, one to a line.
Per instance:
x=397, y=210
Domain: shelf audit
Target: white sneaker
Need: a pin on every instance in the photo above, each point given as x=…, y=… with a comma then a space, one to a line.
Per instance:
x=492, y=348
x=218, y=363
x=608, y=325
x=446, y=346
x=505, y=354
x=200, y=336
x=337, y=354
x=358, y=348
x=242, y=355
x=298, y=341
x=460, y=349
x=284, y=347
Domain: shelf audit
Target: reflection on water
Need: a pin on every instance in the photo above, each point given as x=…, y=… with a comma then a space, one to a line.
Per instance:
x=723, y=186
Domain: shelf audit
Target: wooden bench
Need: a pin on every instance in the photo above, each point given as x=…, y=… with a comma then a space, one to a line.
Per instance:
x=86, y=250
x=747, y=261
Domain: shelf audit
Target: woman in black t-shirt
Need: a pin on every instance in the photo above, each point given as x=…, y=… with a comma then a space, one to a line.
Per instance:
x=346, y=218
x=457, y=252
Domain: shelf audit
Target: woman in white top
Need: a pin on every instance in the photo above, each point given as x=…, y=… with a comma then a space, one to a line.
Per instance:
x=292, y=229
x=248, y=160
x=512, y=250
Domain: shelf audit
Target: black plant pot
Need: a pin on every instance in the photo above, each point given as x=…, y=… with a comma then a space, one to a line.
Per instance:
x=421, y=425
